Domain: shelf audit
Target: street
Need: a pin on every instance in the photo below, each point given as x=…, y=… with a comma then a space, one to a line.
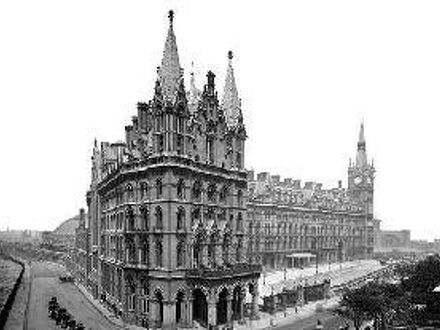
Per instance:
x=328, y=320
x=45, y=284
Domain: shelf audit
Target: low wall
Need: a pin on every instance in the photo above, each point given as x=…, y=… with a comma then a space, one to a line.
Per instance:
x=4, y=313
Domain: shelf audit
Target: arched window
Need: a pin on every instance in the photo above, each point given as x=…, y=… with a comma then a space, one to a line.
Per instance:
x=223, y=195
x=144, y=252
x=180, y=218
x=211, y=255
x=225, y=250
x=145, y=217
x=240, y=198
x=159, y=223
x=143, y=190
x=195, y=216
x=129, y=192
x=159, y=253
x=181, y=254
x=196, y=190
x=158, y=188
x=130, y=218
x=211, y=193
x=239, y=222
x=197, y=255
x=239, y=248
x=180, y=189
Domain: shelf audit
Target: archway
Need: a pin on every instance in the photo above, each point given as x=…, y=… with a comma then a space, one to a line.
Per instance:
x=200, y=307
x=222, y=307
x=159, y=308
x=236, y=303
x=179, y=306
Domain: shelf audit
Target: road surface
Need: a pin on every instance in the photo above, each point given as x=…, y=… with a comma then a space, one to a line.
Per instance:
x=45, y=284
x=328, y=320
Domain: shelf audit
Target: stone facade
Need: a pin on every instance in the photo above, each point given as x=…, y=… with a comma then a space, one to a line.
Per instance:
x=295, y=225
x=78, y=260
x=167, y=207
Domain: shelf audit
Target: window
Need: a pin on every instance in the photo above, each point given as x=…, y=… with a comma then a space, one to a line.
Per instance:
x=211, y=193
x=196, y=190
x=143, y=190
x=238, y=160
x=180, y=189
x=144, y=253
x=225, y=250
x=195, y=216
x=239, y=222
x=159, y=252
x=159, y=223
x=196, y=255
x=130, y=218
x=238, y=252
x=210, y=150
x=180, y=218
x=145, y=217
x=211, y=255
x=129, y=192
x=160, y=143
x=240, y=198
x=158, y=188
x=223, y=194
x=180, y=254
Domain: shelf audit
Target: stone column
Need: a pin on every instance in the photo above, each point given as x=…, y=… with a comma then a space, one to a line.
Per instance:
x=212, y=311
x=229, y=310
x=169, y=315
x=189, y=312
x=242, y=306
x=255, y=297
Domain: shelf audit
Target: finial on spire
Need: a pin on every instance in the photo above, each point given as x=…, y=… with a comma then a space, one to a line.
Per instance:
x=171, y=16
x=170, y=71
x=230, y=55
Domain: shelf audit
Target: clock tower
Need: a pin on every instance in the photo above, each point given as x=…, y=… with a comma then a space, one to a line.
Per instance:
x=361, y=177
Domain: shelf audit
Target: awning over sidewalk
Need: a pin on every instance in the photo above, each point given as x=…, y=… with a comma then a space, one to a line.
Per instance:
x=301, y=255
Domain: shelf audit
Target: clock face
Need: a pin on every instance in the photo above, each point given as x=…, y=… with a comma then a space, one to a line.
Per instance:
x=357, y=180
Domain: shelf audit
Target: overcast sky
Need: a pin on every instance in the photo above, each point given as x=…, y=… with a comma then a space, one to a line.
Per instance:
x=307, y=73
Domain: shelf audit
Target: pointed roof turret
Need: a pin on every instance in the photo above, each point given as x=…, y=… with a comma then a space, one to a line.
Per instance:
x=170, y=72
x=194, y=92
x=231, y=102
x=361, y=156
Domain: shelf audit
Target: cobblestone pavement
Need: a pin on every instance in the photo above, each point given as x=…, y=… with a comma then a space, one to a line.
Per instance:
x=45, y=284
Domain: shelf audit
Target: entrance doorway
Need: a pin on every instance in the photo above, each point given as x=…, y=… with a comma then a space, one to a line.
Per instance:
x=200, y=307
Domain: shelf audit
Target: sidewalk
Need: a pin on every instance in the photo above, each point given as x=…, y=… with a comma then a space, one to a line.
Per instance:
x=17, y=315
x=104, y=311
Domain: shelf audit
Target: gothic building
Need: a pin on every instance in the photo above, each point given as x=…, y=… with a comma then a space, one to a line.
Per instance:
x=167, y=207
x=177, y=228
x=294, y=225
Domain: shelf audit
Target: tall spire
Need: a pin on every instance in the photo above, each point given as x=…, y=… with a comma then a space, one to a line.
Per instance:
x=170, y=71
x=231, y=103
x=361, y=156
